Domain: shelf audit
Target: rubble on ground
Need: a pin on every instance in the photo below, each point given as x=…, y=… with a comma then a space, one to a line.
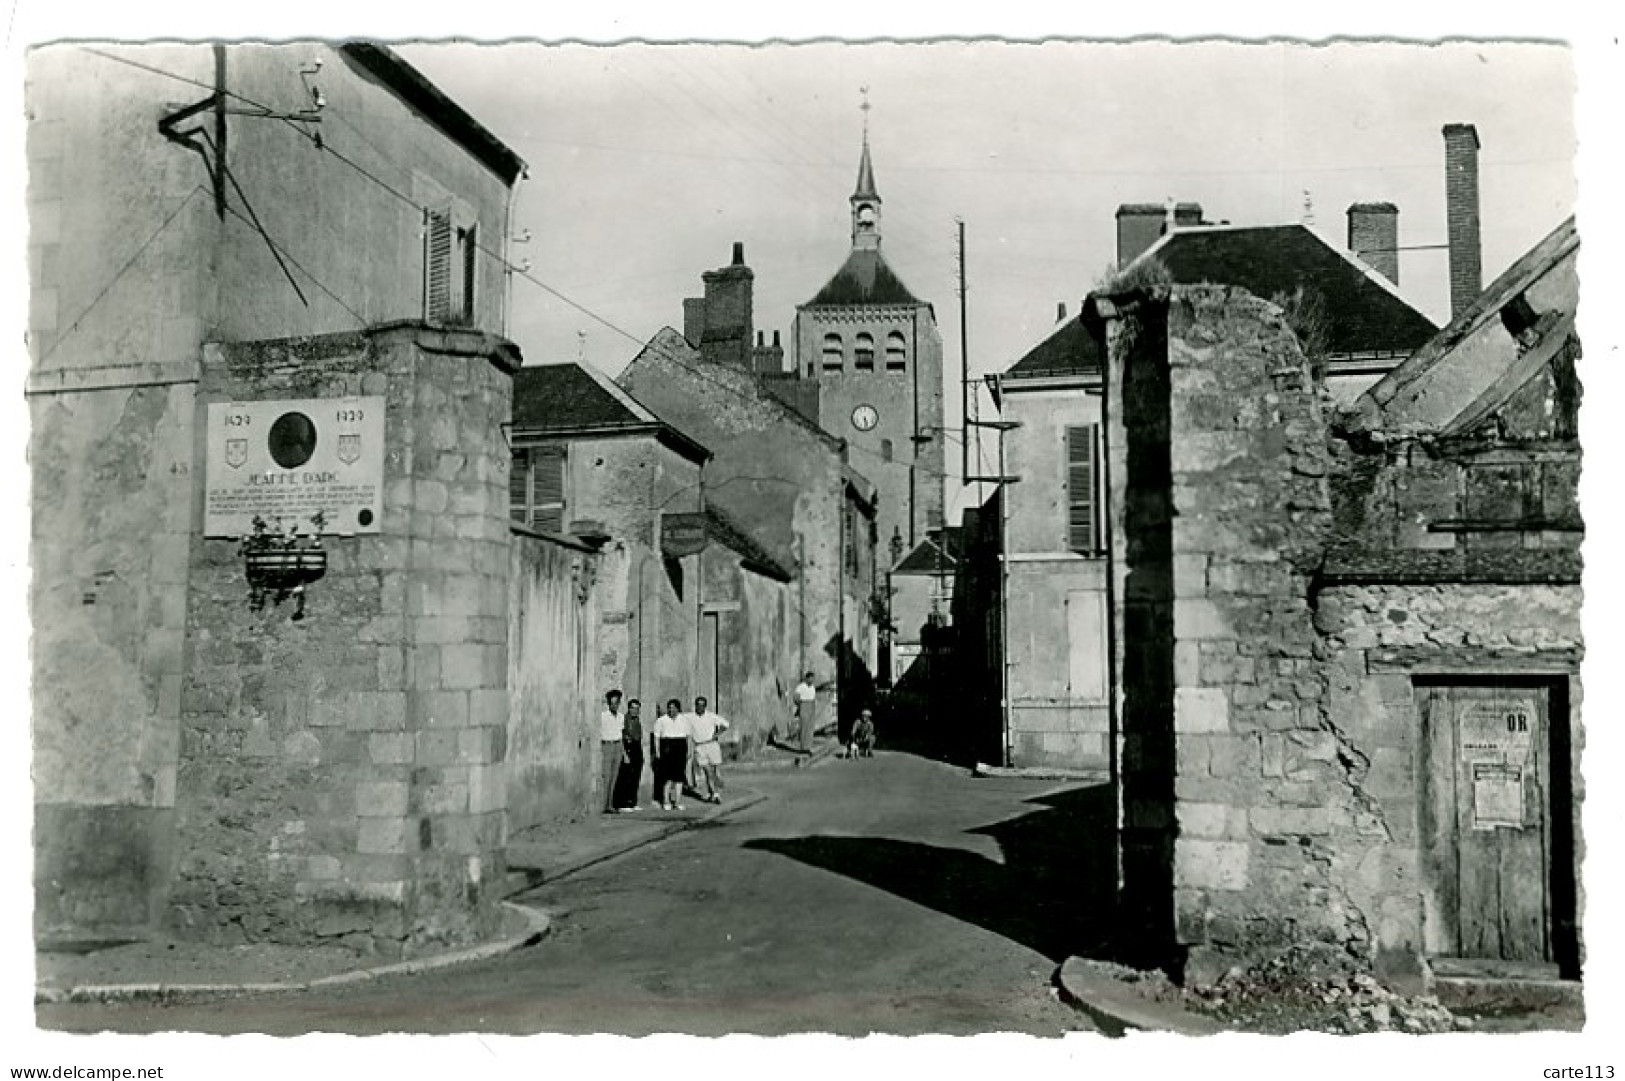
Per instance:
x=1317, y=989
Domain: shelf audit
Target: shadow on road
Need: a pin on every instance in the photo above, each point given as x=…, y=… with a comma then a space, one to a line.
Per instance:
x=1053, y=893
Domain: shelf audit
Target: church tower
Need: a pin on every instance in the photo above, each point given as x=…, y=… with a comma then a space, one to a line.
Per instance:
x=874, y=350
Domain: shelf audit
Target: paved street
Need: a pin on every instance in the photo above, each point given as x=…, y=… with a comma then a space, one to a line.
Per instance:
x=892, y=895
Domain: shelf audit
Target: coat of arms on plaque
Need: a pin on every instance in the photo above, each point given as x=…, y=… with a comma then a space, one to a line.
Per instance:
x=236, y=452
x=349, y=451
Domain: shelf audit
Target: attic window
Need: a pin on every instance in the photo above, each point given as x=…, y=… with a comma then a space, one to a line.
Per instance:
x=1519, y=316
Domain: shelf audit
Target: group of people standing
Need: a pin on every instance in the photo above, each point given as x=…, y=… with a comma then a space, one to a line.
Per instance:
x=684, y=749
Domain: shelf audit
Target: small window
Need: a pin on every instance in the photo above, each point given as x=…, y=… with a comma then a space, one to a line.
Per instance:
x=536, y=488
x=834, y=354
x=885, y=450
x=1083, y=489
x=864, y=353
x=896, y=352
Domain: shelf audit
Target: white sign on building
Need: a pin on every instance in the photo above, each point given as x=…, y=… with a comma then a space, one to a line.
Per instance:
x=283, y=461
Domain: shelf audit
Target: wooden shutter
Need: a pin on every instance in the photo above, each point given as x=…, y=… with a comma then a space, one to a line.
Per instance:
x=1081, y=491
x=519, y=488
x=437, y=253
x=462, y=304
x=547, y=490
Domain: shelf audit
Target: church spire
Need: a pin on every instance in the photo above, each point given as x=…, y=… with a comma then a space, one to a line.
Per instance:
x=865, y=200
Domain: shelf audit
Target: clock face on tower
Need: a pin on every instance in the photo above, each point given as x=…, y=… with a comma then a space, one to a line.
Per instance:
x=864, y=418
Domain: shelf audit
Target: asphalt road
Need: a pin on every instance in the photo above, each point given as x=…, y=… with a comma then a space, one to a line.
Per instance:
x=890, y=895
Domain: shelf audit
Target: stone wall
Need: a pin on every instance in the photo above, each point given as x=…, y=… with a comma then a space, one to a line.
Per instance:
x=554, y=690
x=341, y=777
x=1242, y=796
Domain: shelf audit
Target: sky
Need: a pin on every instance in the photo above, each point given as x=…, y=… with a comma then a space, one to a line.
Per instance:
x=647, y=164
x=648, y=161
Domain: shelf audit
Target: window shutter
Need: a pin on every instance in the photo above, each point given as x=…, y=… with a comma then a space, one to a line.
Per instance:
x=437, y=251
x=462, y=306
x=1082, y=495
x=547, y=490
x=519, y=488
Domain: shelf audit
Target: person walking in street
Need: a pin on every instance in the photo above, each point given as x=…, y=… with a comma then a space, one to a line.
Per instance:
x=705, y=727
x=672, y=733
x=631, y=775
x=805, y=697
x=611, y=727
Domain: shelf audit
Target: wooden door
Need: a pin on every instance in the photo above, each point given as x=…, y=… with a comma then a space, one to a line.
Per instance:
x=1486, y=821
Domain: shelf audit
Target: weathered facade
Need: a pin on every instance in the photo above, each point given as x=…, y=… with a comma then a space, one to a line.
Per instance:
x=172, y=229
x=1345, y=664
x=786, y=485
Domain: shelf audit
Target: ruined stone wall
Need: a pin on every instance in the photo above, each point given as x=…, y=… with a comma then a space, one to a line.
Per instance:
x=1378, y=639
x=341, y=776
x=1242, y=796
x=553, y=687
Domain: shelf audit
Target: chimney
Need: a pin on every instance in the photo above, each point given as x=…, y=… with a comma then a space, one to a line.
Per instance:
x=1140, y=224
x=1060, y=312
x=1461, y=214
x=694, y=320
x=726, y=336
x=768, y=359
x=1374, y=237
x=1138, y=227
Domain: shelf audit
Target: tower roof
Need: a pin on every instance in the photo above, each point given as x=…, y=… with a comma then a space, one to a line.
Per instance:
x=866, y=176
x=863, y=279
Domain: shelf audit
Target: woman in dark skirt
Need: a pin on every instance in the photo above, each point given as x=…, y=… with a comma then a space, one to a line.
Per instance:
x=671, y=738
x=631, y=775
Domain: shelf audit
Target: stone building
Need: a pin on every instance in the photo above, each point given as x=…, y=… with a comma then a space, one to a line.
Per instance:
x=249, y=306
x=691, y=604
x=1345, y=652
x=787, y=485
x=1356, y=325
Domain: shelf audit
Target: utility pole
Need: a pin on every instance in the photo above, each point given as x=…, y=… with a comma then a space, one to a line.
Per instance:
x=964, y=368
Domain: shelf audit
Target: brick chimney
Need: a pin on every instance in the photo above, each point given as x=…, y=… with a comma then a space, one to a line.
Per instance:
x=768, y=359
x=1461, y=214
x=726, y=337
x=1374, y=237
x=1138, y=227
x=1140, y=224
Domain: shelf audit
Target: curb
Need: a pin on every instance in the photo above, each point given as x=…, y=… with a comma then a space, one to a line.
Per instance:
x=1117, y=1007
x=775, y=765
x=667, y=829
x=537, y=925
x=1040, y=773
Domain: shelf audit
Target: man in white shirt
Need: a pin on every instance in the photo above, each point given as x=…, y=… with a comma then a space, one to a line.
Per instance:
x=704, y=728
x=805, y=697
x=611, y=727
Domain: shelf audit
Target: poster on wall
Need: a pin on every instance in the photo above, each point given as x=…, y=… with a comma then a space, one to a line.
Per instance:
x=284, y=461
x=1497, y=796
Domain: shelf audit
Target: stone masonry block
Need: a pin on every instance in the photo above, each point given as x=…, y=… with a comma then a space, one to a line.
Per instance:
x=1204, y=820
x=437, y=747
x=489, y=707
x=443, y=709
x=390, y=748
x=1296, y=821
x=480, y=746
x=1213, y=865
x=462, y=666
x=487, y=789
x=1190, y=575
x=1196, y=618
x=379, y=711
x=1201, y=709
x=1187, y=664
x=381, y=799
x=386, y=836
